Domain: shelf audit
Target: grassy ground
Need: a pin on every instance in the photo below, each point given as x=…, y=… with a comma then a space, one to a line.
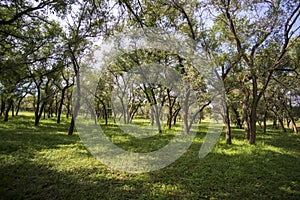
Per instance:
x=44, y=163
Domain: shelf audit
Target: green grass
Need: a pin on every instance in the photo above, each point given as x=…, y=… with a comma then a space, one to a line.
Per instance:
x=44, y=163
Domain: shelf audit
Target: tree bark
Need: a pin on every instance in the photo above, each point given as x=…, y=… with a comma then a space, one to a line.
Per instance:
x=12, y=108
x=294, y=126
x=265, y=122
x=2, y=110
x=6, y=114
x=253, y=120
x=281, y=124
x=175, y=116
x=274, y=126
x=71, y=128
x=185, y=112
x=18, y=106
x=59, y=110
x=245, y=113
x=227, y=126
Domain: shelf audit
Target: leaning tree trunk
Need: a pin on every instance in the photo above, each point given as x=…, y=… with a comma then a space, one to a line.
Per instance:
x=175, y=116
x=294, y=126
x=18, y=106
x=38, y=114
x=280, y=119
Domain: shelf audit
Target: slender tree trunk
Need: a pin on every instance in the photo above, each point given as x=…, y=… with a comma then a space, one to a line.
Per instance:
x=12, y=108
x=294, y=126
x=274, y=126
x=6, y=114
x=175, y=116
x=265, y=122
x=170, y=117
x=2, y=110
x=288, y=122
x=104, y=111
x=170, y=109
x=44, y=113
x=238, y=119
x=38, y=114
x=157, y=119
x=185, y=112
x=68, y=111
x=61, y=103
x=245, y=114
x=281, y=124
x=133, y=113
x=227, y=126
x=124, y=111
x=18, y=106
x=56, y=105
x=76, y=107
x=71, y=128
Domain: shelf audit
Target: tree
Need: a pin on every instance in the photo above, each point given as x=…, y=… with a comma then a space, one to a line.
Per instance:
x=255, y=33
x=84, y=23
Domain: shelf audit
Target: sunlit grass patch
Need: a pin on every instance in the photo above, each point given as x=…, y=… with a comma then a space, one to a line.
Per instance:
x=45, y=163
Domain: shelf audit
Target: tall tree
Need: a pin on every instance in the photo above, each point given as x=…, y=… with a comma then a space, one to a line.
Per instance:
x=257, y=26
x=85, y=22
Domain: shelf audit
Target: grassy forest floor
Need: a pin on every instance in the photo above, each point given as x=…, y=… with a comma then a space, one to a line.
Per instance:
x=44, y=163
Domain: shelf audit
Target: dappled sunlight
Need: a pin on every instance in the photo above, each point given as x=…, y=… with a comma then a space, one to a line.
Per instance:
x=51, y=164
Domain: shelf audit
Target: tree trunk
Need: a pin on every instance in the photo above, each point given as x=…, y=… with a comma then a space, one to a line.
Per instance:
x=281, y=124
x=18, y=106
x=38, y=114
x=59, y=110
x=105, y=111
x=294, y=126
x=44, y=113
x=170, y=117
x=157, y=119
x=56, y=105
x=238, y=119
x=185, y=113
x=253, y=120
x=76, y=107
x=245, y=113
x=72, y=124
x=7, y=110
x=12, y=108
x=2, y=110
x=265, y=122
x=288, y=122
x=274, y=126
x=175, y=116
x=151, y=115
x=227, y=126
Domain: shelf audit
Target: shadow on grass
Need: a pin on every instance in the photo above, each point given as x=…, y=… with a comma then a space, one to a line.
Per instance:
x=44, y=163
